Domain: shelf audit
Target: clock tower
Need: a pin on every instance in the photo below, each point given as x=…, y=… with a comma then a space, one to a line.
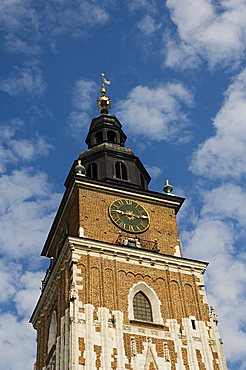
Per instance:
x=118, y=294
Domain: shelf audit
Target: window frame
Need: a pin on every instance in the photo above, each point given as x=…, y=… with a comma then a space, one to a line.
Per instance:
x=153, y=299
x=142, y=303
x=121, y=172
x=92, y=170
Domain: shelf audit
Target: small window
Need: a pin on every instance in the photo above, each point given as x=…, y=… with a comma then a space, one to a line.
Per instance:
x=92, y=171
x=142, y=307
x=99, y=137
x=193, y=324
x=120, y=171
x=111, y=136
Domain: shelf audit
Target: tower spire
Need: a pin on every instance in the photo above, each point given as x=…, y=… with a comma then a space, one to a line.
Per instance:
x=103, y=102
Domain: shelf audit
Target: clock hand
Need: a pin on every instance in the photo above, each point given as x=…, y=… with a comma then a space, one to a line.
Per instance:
x=132, y=215
x=129, y=214
x=142, y=216
x=118, y=211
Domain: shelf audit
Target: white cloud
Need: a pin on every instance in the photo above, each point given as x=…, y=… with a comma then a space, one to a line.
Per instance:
x=83, y=99
x=210, y=238
x=83, y=94
x=18, y=288
x=73, y=17
x=215, y=32
x=216, y=236
x=157, y=113
x=27, y=207
x=17, y=343
x=147, y=25
x=17, y=14
x=226, y=201
x=28, y=292
x=146, y=5
x=154, y=171
x=15, y=44
x=27, y=80
x=219, y=228
x=14, y=149
x=223, y=155
x=215, y=241
x=7, y=281
x=26, y=24
x=20, y=24
x=179, y=54
x=25, y=195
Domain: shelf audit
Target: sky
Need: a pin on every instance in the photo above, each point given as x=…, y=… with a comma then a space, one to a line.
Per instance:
x=178, y=85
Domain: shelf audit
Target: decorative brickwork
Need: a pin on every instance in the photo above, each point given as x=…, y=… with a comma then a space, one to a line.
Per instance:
x=173, y=354
x=114, y=359
x=89, y=289
x=129, y=274
x=163, y=225
x=215, y=362
x=185, y=358
x=82, y=350
x=98, y=352
x=200, y=362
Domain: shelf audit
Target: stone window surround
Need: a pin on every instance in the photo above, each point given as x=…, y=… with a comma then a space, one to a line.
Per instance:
x=153, y=298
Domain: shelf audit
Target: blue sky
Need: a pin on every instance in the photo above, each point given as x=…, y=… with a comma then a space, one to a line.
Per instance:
x=178, y=77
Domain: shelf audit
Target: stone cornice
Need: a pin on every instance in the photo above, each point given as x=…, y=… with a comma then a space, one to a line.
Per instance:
x=152, y=196
x=138, y=255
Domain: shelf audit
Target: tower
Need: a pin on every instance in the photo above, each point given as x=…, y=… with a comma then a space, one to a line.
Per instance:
x=118, y=294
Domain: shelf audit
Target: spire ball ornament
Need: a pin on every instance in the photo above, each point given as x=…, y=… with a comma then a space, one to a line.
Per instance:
x=168, y=188
x=103, y=102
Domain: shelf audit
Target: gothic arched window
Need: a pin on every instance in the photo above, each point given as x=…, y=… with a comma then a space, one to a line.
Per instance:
x=111, y=136
x=99, y=137
x=142, y=308
x=92, y=171
x=120, y=171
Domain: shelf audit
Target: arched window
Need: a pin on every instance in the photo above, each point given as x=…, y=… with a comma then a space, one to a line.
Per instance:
x=92, y=171
x=111, y=136
x=99, y=137
x=142, y=307
x=120, y=171
x=144, y=304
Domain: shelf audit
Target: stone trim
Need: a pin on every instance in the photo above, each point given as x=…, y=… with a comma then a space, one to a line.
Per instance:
x=137, y=255
x=146, y=323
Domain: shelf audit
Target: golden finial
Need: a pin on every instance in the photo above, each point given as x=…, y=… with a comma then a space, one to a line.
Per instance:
x=103, y=102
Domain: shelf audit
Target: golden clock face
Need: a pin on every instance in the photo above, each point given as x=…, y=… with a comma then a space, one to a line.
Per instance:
x=129, y=215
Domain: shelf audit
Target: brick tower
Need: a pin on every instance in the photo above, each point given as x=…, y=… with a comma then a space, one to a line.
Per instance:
x=118, y=293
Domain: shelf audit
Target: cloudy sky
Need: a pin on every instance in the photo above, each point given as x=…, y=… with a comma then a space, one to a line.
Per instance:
x=178, y=75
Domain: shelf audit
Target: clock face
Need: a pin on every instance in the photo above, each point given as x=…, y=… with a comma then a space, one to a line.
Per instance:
x=129, y=215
